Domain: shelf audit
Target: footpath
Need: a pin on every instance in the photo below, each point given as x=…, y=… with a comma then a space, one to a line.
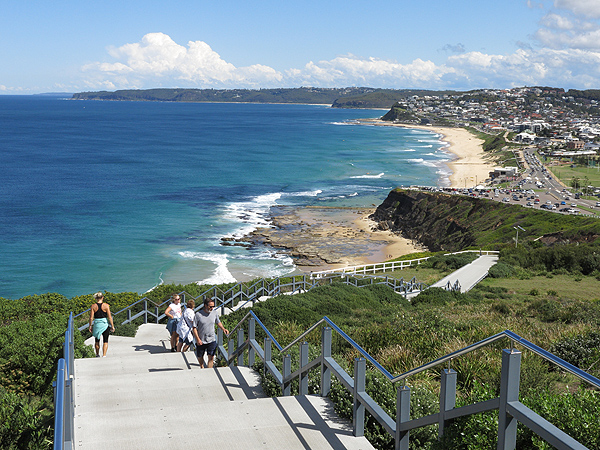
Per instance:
x=142, y=396
x=471, y=274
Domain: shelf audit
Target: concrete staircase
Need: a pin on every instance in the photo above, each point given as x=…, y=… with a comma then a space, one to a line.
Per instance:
x=142, y=396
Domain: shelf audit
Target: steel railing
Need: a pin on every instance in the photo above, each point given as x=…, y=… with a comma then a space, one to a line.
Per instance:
x=391, y=265
x=241, y=294
x=507, y=404
x=64, y=406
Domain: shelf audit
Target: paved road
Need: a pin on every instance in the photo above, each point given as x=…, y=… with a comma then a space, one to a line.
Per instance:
x=547, y=187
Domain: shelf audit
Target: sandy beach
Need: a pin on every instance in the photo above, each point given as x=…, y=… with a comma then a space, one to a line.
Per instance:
x=320, y=238
x=471, y=167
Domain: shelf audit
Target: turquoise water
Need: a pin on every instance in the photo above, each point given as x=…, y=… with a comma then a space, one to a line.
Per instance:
x=121, y=196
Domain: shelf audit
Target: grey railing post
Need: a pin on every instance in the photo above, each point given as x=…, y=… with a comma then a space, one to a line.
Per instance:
x=303, y=379
x=59, y=396
x=240, y=343
x=69, y=417
x=156, y=312
x=230, y=350
x=447, y=397
x=145, y=311
x=220, y=342
x=287, y=370
x=509, y=391
x=267, y=354
x=402, y=416
x=128, y=315
x=358, y=409
x=251, y=335
x=325, y=353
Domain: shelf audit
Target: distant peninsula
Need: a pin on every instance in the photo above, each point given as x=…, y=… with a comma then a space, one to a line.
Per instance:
x=350, y=97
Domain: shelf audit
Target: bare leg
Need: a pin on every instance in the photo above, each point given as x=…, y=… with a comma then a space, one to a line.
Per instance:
x=97, y=347
x=201, y=362
x=211, y=359
x=174, y=339
x=104, y=348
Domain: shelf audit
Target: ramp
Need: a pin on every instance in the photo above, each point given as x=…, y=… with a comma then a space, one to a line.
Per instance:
x=471, y=274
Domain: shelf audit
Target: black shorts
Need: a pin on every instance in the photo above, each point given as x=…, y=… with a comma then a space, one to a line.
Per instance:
x=104, y=335
x=209, y=348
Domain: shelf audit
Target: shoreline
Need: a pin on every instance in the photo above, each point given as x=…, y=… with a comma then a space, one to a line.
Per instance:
x=471, y=166
x=320, y=238
x=328, y=237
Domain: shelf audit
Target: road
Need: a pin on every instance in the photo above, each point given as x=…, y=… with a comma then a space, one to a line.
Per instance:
x=539, y=189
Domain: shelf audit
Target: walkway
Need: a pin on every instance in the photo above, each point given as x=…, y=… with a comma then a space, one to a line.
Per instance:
x=143, y=396
x=471, y=274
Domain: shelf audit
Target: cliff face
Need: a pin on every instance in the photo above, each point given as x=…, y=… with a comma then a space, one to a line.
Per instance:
x=454, y=222
x=438, y=221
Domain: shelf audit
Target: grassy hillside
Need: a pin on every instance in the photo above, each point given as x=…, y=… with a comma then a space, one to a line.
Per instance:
x=403, y=335
x=452, y=222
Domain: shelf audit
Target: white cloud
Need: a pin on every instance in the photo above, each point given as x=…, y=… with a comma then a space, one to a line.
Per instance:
x=585, y=8
x=570, y=58
x=569, y=39
x=160, y=60
x=558, y=22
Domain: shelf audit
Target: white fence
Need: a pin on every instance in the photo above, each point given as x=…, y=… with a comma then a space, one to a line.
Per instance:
x=389, y=266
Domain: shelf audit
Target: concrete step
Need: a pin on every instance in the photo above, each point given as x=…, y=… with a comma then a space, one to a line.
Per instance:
x=142, y=396
x=270, y=423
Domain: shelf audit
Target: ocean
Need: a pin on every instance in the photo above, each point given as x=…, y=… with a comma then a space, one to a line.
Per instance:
x=122, y=196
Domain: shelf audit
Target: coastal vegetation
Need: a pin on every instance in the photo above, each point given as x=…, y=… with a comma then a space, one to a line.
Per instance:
x=402, y=335
x=541, y=293
x=450, y=222
x=351, y=97
x=545, y=290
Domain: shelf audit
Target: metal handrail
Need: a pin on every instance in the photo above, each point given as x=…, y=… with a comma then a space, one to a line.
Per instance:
x=399, y=428
x=502, y=335
x=457, y=353
x=258, y=288
x=64, y=412
x=251, y=314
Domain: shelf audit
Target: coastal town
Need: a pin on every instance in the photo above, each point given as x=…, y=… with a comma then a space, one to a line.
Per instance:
x=533, y=139
x=550, y=118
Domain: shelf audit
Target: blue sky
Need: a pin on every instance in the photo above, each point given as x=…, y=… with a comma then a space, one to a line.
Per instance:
x=72, y=46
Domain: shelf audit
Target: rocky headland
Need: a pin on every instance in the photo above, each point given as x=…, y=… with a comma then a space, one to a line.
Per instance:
x=326, y=237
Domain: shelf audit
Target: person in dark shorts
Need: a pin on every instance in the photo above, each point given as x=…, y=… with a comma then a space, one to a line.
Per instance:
x=204, y=332
x=100, y=317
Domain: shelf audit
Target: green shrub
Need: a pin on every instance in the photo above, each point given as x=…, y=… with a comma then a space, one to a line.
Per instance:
x=25, y=422
x=501, y=308
x=501, y=270
x=436, y=296
x=574, y=413
x=450, y=262
x=582, y=351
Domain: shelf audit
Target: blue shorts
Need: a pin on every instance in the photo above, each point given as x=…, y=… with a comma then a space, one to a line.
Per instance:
x=209, y=348
x=172, y=325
